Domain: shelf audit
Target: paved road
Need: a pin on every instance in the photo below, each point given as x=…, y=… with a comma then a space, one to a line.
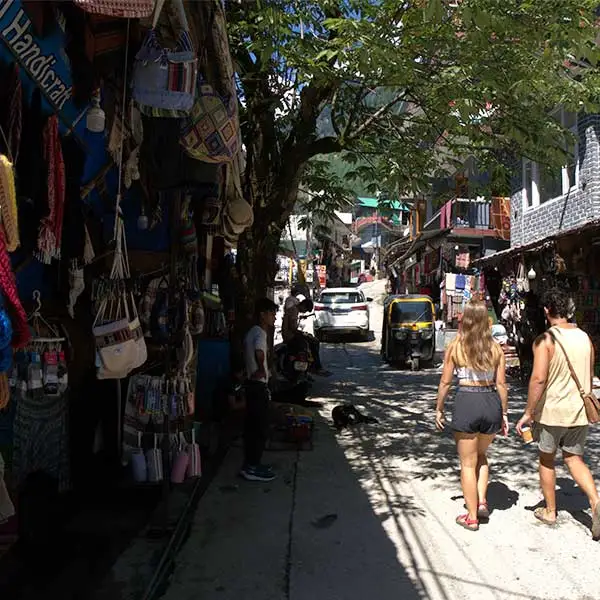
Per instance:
x=371, y=512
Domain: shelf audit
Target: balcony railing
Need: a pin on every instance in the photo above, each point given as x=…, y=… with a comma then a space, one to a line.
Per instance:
x=467, y=213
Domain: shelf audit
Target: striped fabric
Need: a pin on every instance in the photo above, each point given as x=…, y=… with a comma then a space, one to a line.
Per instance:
x=124, y=9
x=182, y=77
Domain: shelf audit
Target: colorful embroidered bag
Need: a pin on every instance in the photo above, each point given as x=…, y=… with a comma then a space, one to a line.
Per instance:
x=211, y=132
x=164, y=80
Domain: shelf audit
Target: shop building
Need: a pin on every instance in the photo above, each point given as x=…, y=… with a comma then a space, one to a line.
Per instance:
x=442, y=251
x=119, y=220
x=555, y=241
x=377, y=224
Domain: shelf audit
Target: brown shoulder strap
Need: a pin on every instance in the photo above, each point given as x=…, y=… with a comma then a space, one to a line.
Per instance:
x=571, y=369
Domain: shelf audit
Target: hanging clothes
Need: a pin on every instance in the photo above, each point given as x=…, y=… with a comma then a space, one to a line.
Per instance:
x=41, y=438
x=50, y=235
x=8, y=204
x=450, y=283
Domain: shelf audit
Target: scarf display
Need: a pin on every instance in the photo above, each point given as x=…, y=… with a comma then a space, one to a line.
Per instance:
x=8, y=287
x=50, y=234
x=8, y=204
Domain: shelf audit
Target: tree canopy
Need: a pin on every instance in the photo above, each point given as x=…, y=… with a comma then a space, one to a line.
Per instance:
x=402, y=90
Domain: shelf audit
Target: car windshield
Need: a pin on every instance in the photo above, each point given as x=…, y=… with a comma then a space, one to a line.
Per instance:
x=409, y=312
x=341, y=298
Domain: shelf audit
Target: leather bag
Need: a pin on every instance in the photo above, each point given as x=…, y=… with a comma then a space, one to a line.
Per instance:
x=591, y=403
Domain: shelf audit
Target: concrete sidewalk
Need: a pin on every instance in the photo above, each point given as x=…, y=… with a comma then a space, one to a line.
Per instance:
x=370, y=513
x=310, y=534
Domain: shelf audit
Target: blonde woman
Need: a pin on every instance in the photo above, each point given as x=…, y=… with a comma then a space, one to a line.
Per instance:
x=480, y=406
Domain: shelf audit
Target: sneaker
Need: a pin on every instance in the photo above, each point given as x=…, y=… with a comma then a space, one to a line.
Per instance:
x=258, y=473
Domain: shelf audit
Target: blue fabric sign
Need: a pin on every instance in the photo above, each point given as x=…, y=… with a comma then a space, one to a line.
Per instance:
x=43, y=60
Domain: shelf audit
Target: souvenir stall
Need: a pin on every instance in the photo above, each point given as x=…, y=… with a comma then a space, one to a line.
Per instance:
x=119, y=209
x=514, y=287
x=571, y=263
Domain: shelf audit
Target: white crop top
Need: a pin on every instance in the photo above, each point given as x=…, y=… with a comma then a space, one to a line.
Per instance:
x=469, y=374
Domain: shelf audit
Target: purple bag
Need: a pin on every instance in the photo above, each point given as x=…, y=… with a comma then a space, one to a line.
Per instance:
x=181, y=462
x=138, y=463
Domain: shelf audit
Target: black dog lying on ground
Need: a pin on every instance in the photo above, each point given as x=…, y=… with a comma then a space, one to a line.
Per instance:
x=346, y=415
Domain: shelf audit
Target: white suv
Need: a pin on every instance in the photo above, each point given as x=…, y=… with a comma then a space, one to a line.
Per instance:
x=342, y=310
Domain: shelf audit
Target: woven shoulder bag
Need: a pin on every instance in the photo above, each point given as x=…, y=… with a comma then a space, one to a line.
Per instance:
x=211, y=132
x=164, y=80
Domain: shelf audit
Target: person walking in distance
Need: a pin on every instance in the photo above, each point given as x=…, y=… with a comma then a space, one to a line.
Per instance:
x=257, y=393
x=561, y=356
x=480, y=406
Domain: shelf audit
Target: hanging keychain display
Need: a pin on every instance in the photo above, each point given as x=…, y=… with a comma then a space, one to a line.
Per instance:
x=40, y=369
x=156, y=396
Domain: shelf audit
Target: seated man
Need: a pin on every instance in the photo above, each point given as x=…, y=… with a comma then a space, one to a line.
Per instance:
x=294, y=305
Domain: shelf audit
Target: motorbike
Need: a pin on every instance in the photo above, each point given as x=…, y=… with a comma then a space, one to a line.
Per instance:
x=293, y=361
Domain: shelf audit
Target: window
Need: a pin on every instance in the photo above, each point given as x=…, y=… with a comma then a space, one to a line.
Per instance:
x=342, y=298
x=408, y=312
x=541, y=184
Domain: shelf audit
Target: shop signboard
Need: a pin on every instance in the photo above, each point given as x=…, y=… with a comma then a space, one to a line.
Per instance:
x=322, y=271
x=42, y=59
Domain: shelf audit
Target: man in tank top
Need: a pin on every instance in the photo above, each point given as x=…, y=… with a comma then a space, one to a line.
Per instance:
x=555, y=405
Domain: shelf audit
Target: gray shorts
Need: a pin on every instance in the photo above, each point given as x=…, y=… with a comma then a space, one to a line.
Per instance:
x=477, y=410
x=569, y=439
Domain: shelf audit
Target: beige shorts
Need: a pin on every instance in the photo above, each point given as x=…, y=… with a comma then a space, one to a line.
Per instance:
x=569, y=439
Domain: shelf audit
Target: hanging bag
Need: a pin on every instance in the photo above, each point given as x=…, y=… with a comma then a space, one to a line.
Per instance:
x=211, y=132
x=182, y=461
x=590, y=402
x=194, y=466
x=123, y=9
x=119, y=338
x=138, y=462
x=155, y=464
x=116, y=348
x=522, y=279
x=164, y=80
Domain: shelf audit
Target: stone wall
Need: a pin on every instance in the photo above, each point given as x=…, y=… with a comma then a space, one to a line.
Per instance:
x=581, y=205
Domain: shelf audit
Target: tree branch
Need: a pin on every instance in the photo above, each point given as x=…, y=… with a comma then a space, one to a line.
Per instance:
x=357, y=100
x=378, y=114
x=334, y=122
x=324, y=145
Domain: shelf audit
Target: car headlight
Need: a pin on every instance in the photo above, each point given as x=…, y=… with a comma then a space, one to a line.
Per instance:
x=400, y=334
x=426, y=334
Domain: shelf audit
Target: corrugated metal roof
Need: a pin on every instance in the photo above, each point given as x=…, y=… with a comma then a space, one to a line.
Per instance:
x=374, y=203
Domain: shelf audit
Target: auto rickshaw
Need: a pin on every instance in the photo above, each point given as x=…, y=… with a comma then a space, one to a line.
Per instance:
x=408, y=335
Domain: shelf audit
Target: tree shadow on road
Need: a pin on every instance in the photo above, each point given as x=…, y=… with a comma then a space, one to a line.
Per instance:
x=404, y=404
x=570, y=499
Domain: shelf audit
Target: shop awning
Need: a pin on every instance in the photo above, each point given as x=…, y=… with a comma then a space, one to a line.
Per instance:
x=498, y=257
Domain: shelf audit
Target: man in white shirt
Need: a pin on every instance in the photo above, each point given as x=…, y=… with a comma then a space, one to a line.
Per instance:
x=257, y=393
x=295, y=304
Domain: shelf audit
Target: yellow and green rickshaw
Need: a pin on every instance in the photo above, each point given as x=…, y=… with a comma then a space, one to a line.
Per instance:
x=408, y=335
